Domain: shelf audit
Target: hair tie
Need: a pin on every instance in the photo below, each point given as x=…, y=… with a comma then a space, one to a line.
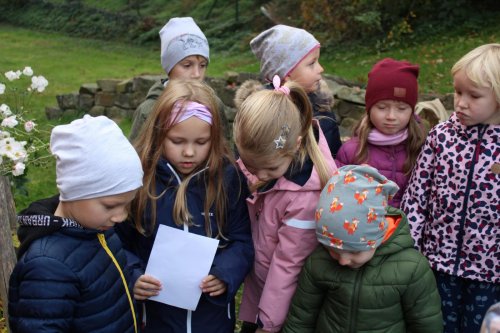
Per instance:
x=277, y=83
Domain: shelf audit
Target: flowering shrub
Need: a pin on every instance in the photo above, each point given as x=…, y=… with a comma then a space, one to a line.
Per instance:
x=18, y=143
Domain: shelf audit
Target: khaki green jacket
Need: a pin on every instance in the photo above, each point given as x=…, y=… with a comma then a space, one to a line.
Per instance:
x=395, y=292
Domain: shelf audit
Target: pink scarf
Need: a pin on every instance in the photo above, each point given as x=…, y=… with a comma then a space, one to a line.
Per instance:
x=380, y=139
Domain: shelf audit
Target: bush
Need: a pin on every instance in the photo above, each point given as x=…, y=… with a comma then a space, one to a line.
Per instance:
x=72, y=18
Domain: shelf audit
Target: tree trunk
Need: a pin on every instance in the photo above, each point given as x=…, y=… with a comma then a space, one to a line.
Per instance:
x=7, y=254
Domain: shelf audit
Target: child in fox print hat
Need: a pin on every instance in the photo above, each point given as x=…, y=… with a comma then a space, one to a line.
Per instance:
x=367, y=276
x=352, y=209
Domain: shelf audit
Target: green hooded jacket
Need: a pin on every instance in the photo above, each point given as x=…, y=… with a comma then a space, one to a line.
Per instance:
x=395, y=292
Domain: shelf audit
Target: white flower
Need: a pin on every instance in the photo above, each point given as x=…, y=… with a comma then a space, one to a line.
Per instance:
x=11, y=75
x=10, y=122
x=27, y=71
x=39, y=83
x=5, y=110
x=29, y=125
x=18, y=169
x=4, y=134
x=13, y=149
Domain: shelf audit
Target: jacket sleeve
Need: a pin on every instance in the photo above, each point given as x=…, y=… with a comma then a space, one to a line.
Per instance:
x=129, y=236
x=341, y=158
x=417, y=197
x=306, y=303
x=421, y=301
x=296, y=241
x=41, y=299
x=140, y=115
x=234, y=259
x=345, y=155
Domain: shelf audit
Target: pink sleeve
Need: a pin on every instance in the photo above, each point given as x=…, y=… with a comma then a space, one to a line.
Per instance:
x=296, y=241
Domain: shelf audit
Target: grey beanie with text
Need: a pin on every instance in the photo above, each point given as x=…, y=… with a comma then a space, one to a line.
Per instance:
x=180, y=38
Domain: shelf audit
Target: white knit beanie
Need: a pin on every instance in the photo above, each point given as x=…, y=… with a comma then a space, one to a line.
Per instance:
x=281, y=48
x=94, y=159
x=181, y=38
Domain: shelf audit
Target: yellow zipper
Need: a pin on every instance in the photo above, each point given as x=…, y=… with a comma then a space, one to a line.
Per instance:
x=102, y=240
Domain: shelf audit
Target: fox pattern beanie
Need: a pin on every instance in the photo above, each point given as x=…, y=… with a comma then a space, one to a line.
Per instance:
x=394, y=80
x=351, y=211
x=94, y=159
x=180, y=38
x=281, y=48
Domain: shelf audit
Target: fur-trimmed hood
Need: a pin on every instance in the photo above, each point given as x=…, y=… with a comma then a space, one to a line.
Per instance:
x=322, y=99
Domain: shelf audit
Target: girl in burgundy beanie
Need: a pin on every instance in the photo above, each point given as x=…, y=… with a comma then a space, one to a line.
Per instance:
x=389, y=136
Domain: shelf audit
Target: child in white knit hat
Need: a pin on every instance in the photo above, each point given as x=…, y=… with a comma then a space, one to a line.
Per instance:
x=293, y=55
x=71, y=274
x=366, y=276
x=185, y=54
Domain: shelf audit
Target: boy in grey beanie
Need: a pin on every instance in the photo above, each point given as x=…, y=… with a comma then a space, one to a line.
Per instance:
x=184, y=54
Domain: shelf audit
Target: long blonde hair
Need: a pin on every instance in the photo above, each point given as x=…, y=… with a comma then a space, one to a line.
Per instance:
x=149, y=145
x=264, y=115
x=416, y=138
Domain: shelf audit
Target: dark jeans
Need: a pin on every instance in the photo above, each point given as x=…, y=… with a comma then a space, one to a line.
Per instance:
x=247, y=327
x=464, y=302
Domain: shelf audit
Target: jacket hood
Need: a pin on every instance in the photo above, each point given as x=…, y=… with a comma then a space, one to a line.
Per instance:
x=399, y=240
x=321, y=99
x=156, y=89
x=38, y=221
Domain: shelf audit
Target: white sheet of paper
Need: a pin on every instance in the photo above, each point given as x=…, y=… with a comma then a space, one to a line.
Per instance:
x=180, y=260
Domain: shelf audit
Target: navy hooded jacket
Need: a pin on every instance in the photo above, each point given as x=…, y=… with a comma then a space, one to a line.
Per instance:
x=64, y=280
x=232, y=261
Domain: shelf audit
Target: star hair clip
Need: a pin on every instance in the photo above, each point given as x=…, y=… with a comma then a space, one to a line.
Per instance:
x=277, y=85
x=281, y=140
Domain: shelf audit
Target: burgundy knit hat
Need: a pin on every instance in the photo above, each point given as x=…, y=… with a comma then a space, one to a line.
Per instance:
x=394, y=80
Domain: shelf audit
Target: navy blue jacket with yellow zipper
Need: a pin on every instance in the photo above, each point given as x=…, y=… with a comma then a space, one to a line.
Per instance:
x=232, y=261
x=65, y=281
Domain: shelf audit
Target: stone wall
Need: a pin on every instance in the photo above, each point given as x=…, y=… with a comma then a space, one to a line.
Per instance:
x=119, y=98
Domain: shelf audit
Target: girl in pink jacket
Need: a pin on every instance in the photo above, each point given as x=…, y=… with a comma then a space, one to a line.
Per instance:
x=286, y=159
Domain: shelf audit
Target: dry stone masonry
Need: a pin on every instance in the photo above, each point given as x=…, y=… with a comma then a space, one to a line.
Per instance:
x=118, y=99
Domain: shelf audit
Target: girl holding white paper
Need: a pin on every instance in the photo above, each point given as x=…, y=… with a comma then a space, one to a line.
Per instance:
x=192, y=184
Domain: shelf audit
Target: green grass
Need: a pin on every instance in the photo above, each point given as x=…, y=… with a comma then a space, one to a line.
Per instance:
x=66, y=63
x=69, y=62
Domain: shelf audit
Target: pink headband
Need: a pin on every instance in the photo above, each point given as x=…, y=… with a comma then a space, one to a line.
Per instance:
x=188, y=110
